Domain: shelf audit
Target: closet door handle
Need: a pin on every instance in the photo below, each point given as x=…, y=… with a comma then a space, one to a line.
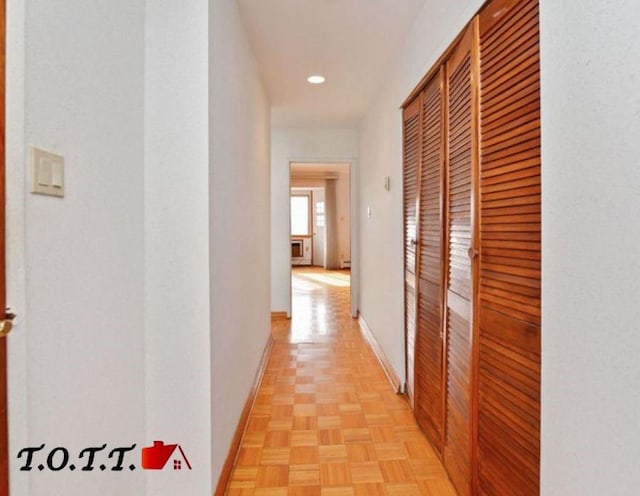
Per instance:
x=7, y=323
x=473, y=253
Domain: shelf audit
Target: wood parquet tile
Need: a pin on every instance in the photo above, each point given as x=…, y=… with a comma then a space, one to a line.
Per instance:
x=326, y=421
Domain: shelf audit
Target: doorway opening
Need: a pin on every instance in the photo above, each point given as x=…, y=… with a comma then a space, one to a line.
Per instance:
x=321, y=225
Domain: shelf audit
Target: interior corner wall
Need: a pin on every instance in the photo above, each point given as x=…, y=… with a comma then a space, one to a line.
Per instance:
x=380, y=145
x=297, y=145
x=240, y=222
x=83, y=263
x=590, y=69
x=176, y=247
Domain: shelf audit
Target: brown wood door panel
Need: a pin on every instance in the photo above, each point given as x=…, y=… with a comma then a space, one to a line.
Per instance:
x=429, y=351
x=410, y=180
x=475, y=268
x=459, y=281
x=509, y=279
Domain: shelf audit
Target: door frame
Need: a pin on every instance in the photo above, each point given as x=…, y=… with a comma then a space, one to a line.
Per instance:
x=353, y=231
x=4, y=414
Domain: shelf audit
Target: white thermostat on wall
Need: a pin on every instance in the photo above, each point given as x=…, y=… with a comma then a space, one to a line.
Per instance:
x=47, y=173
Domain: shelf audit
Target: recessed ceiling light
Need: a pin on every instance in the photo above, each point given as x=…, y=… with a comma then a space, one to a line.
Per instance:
x=317, y=79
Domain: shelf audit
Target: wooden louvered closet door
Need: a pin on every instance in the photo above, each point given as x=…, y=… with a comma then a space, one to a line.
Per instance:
x=459, y=294
x=429, y=333
x=509, y=293
x=473, y=278
x=411, y=167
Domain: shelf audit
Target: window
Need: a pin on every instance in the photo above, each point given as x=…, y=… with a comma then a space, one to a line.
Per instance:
x=320, y=214
x=300, y=215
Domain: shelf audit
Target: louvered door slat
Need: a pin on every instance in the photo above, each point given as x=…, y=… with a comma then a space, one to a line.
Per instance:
x=429, y=342
x=509, y=284
x=410, y=170
x=457, y=449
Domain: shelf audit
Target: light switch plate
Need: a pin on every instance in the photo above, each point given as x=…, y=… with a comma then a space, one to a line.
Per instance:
x=47, y=173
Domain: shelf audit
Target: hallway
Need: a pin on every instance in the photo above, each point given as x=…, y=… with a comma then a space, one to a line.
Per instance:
x=326, y=420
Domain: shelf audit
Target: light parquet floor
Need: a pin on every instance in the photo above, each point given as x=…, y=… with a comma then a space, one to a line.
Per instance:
x=326, y=421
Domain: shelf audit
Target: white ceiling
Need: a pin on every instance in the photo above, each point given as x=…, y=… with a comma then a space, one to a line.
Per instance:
x=350, y=42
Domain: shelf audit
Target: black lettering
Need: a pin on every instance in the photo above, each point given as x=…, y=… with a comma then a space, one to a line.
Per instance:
x=30, y=451
x=65, y=458
x=121, y=452
x=92, y=454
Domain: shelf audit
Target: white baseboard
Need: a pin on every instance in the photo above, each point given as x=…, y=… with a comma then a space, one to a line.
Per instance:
x=380, y=355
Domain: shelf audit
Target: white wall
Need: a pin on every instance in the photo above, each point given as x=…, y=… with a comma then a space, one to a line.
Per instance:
x=297, y=145
x=84, y=254
x=343, y=214
x=380, y=144
x=178, y=384
x=240, y=222
x=15, y=230
x=121, y=284
x=591, y=240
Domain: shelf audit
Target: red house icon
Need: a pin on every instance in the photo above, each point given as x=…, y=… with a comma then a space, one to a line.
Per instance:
x=156, y=457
